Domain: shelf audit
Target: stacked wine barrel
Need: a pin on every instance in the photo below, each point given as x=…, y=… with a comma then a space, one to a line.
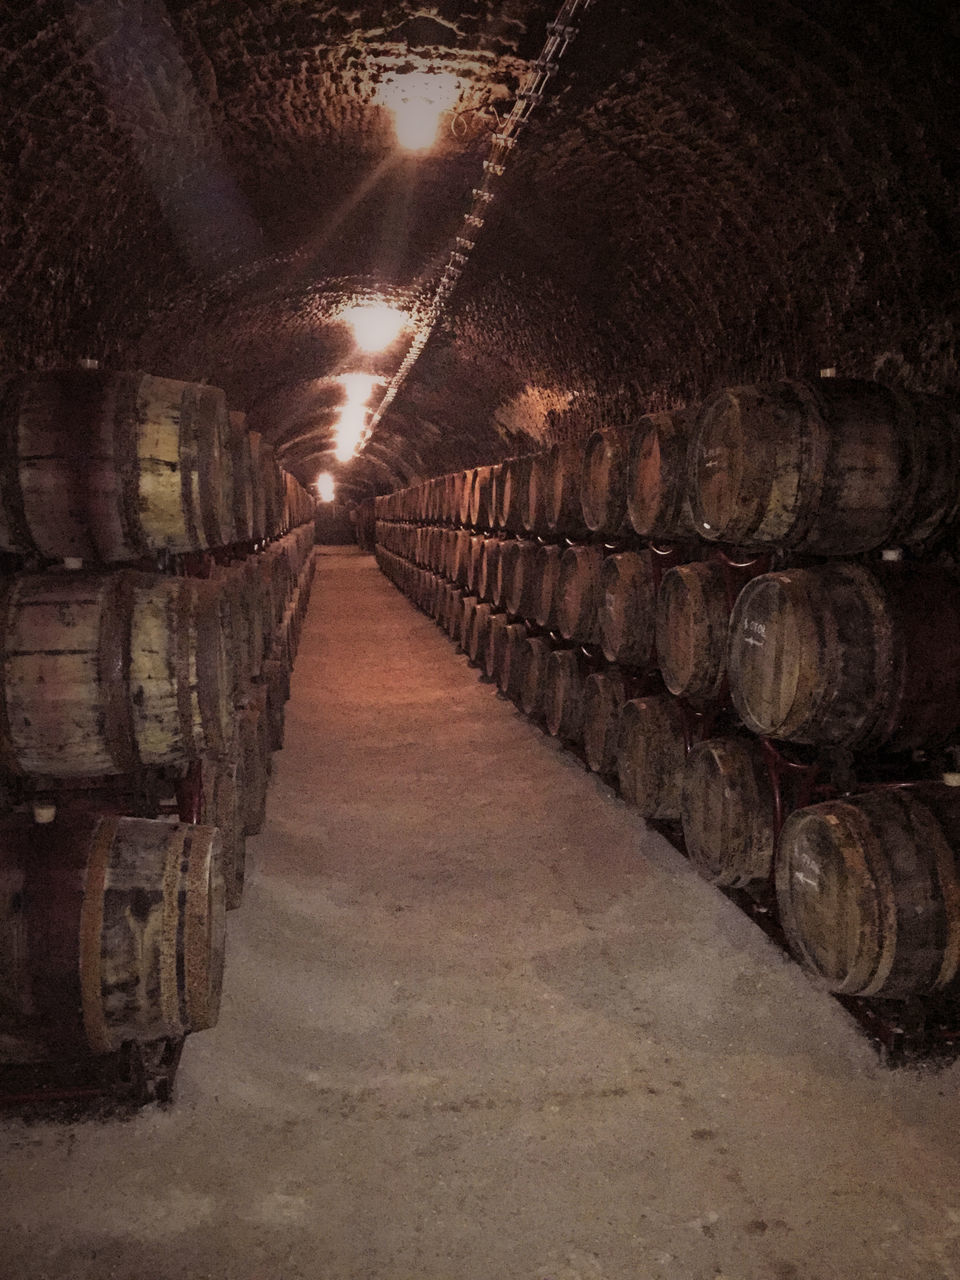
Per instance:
x=159, y=564
x=746, y=616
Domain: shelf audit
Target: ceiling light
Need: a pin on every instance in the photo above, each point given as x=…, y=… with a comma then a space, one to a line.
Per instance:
x=325, y=487
x=351, y=428
x=376, y=327
x=418, y=101
x=358, y=386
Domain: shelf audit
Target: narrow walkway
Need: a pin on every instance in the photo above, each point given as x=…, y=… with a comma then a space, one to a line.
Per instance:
x=479, y=1024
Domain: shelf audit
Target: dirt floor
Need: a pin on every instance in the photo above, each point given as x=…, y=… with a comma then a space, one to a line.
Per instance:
x=480, y=1023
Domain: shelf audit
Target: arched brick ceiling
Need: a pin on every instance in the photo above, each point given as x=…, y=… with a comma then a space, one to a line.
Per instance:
x=711, y=192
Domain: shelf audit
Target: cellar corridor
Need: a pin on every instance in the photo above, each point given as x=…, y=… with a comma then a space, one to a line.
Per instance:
x=479, y=1022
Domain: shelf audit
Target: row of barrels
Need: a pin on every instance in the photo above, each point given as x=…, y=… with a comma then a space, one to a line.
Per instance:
x=159, y=701
x=840, y=654
x=106, y=673
x=834, y=468
x=866, y=884
x=106, y=467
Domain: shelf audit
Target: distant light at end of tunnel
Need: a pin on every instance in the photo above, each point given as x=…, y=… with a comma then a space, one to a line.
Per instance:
x=417, y=101
x=375, y=328
x=325, y=487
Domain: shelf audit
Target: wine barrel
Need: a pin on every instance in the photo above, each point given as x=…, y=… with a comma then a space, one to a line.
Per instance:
x=627, y=612
x=111, y=930
x=447, y=543
x=563, y=695
x=658, y=503
x=460, y=558
x=868, y=891
x=692, y=616
x=848, y=655
x=536, y=651
x=252, y=777
x=603, y=481
x=437, y=488
x=454, y=616
x=435, y=586
x=275, y=676
x=496, y=644
x=650, y=756
x=138, y=665
x=239, y=605
x=474, y=561
x=511, y=491
x=443, y=604
x=603, y=696
x=510, y=669
x=562, y=511
x=260, y=531
x=226, y=789
x=450, y=498
x=179, y=662
x=469, y=608
x=548, y=575
x=479, y=634
x=466, y=496
x=441, y=543
x=481, y=500
x=836, y=468
x=489, y=559
x=727, y=808
x=108, y=467
x=506, y=568
x=523, y=596
x=533, y=498
x=241, y=462
x=257, y=697
x=434, y=543
x=578, y=594
x=272, y=489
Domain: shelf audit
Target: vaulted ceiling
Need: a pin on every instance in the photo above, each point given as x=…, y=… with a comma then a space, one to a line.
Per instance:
x=710, y=192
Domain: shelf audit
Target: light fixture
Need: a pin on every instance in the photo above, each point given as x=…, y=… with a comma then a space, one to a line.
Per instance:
x=417, y=101
x=374, y=327
x=352, y=425
x=325, y=488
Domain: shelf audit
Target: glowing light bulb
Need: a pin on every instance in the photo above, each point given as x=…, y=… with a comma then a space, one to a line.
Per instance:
x=374, y=328
x=358, y=386
x=325, y=487
x=352, y=425
x=418, y=101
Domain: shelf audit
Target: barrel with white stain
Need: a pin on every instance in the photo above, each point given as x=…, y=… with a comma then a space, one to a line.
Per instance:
x=111, y=930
